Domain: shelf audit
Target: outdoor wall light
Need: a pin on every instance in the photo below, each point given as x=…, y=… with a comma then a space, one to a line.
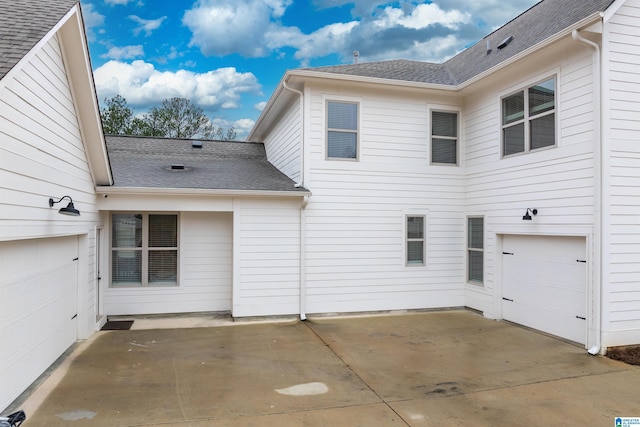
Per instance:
x=67, y=210
x=526, y=216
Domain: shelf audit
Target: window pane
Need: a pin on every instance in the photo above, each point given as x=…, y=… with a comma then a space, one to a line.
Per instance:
x=475, y=266
x=126, y=267
x=163, y=231
x=163, y=267
x=476, y=233
x=513, y=139
x=513, y=108
x=415, y=227
x=342, y=145
x=126, y=231
x=543, y=131
x=415, y=252
x=444, y=151
x=444, y=124
x=542, y=97
x=342, y=116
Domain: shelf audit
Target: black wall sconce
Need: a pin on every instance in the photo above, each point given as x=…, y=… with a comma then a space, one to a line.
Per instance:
x=528, y=217
x=67, y=210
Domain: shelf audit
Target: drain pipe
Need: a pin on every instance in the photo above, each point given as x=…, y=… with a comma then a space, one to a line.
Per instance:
x=597, y=296
x=303, y=216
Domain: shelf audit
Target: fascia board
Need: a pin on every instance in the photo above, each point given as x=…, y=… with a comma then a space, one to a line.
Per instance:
x=106, y=190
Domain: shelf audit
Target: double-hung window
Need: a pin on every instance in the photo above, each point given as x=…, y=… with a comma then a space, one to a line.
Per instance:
x=475, y=250
x=415, y=240
x=342, y=130
x=444, y=137
x=529, y=119
x=144, y=250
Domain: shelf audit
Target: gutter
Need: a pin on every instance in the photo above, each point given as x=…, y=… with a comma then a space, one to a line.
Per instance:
x=106, y=191
x=596, y=348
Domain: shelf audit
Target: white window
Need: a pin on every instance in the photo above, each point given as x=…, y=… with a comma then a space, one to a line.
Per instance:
x=415, y=240
x=144, y=250
x=475, y=250
x=342, y=130
x=444, y=137
x=529, y=119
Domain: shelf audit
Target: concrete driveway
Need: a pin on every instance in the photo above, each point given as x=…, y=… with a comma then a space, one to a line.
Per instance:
x=415, y=369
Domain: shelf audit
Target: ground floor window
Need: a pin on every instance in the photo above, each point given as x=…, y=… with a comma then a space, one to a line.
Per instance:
x=475, y=250
x=144, y=249
x=415, y=240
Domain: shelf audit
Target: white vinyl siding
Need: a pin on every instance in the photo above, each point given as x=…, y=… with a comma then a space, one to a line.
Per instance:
x=205, y=272
x=284, y=144
x=355, y=220
x=622, y=198
x=42, y=154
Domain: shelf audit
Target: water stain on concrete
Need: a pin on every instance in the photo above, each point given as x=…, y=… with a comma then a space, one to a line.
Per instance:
x=308, y=389
x=79, y=414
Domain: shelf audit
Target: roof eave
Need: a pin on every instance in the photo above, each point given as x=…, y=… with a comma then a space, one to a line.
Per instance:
x=155, y=191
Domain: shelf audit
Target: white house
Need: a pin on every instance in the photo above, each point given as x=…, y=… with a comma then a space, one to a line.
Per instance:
x=503, y=180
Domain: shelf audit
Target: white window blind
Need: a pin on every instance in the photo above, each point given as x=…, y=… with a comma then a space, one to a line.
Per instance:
x=444, y=137
x=342, y=130
x=475, y=249
x=415, y=240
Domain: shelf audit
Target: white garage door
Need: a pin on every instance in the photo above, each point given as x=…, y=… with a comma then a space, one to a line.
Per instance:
x=39, y=292
x=544, y=284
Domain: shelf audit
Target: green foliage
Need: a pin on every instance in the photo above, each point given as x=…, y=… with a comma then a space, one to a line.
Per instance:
x=174, y=118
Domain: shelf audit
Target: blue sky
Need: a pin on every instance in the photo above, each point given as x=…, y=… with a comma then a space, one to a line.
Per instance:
x=228, y=56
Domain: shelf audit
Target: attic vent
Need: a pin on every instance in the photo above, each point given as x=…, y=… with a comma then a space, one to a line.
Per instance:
x=505, y=42
x=196, y=144
x=177, y=167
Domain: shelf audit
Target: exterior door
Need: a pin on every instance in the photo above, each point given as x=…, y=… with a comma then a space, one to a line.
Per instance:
x=544, y=282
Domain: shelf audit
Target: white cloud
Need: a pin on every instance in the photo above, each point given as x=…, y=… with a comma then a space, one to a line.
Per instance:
x=146, y=25
x=117, y=2
x=223, y=27
x=143, y=86
x=124, y=52
x=423, y=16
x=92, y=20
x=260, y=105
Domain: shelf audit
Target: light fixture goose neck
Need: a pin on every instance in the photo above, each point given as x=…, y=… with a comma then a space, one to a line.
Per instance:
x=67, y=210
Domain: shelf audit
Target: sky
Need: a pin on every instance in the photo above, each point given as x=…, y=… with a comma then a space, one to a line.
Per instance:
x=228, y=56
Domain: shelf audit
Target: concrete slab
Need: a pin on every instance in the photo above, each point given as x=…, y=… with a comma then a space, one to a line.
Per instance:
x=437, y=368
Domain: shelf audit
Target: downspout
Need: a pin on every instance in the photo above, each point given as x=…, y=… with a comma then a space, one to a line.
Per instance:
x=303, y=216
x=597, y=296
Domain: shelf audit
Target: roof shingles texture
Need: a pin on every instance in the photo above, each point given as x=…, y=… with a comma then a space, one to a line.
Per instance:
x=221, y=165
x=23, y=23
x=544, y=20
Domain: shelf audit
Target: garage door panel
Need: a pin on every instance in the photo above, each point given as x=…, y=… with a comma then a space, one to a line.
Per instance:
x=544, y=284
x=39, y=293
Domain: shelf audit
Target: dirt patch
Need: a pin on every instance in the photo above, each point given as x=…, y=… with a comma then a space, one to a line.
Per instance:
x=629, y=354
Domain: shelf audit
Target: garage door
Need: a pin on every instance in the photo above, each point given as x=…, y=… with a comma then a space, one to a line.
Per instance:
x=544, y=284
x=39, y=292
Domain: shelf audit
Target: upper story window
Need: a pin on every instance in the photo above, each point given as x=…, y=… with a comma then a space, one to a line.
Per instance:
x=144, y=250
x=529, y=119
x=342, y=130
x=444, y=137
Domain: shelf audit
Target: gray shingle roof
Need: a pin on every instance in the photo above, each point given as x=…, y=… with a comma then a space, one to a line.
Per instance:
x=221, y=165
x=23, y=23
x=540, y=22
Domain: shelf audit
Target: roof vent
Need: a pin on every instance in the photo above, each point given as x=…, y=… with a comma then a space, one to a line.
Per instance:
x=177, y=167
x=196, y=144
x=488, y=47
x=505, y=42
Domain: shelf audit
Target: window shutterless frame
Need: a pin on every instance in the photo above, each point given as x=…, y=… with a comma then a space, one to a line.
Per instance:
x=342, y=130
x=444, y=139
x=475, y=250
x=415, y=240
x=528, y=118
x=144, y=250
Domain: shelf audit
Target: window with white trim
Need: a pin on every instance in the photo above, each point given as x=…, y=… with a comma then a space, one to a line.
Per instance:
x=342, y=130
x=444, y=137
x=144, y=250
x=475, y=250
x=529, y=119
x=415, y=240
